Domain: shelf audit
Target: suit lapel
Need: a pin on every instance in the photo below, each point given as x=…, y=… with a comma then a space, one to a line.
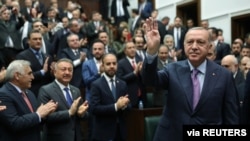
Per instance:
x=106, y=85
x=19, y=98
x=60, y=94
x=186, y=82
x=210, y=79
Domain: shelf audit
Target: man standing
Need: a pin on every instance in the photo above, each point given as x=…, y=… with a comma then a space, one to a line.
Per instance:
x=109, y=102
x=23, y=117
x=40, y=62
x=200, y=92
x=64, y=124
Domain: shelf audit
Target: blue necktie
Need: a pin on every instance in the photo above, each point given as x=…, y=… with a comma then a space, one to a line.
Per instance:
x=113, y=89
x=68, y=97
x=39, y=57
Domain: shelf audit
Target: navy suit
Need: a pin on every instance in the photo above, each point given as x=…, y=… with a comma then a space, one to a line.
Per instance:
x=103, y=109
x=147, y=10
x=126, y=72
x=247, y=98
x=218, y=102
x=39, y=78
x=222, y=50
x=17, y=122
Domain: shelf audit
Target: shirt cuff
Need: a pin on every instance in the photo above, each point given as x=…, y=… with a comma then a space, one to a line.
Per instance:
x=150, y=58
x=76, y=62
x=116, y=107
x=39, y=117
x=42, y=72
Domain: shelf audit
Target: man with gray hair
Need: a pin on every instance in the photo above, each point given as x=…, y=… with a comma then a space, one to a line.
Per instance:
x=23, y=117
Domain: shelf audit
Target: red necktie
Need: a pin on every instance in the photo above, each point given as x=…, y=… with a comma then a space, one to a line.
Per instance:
x=133, y=64
x=27, y=101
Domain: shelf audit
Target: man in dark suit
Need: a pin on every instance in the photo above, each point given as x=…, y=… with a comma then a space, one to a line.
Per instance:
x=77, y=56
x=178, y=32
x=103, y=36
x=64, y=124
x=109, y=103
x=129, y=71
x=222, y=49
x=22, y=119
x=10, y=37
x=198, y=89
x=136, y=21
x=40, y=62
x=145, y=8
x=119, y=11
x=247, y=99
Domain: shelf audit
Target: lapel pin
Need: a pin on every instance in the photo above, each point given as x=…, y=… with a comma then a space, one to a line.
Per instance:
x=213, y=74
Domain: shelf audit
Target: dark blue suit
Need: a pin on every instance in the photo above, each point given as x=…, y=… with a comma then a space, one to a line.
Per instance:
x=103, y=109
x=147, y=10
x=17, y=122
x=126, y=72
x=218, y=102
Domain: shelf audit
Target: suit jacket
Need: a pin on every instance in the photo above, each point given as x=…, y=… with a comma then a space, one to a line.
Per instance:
x=89, y=74
x=39, y=78
x=147, y=10
x=222, y=50
x=59, y=125
x=125, y=4
x=11, y=30
x=246, y=104
x=137, y=25
x=181, y=41
x=92, y=33
x=103, y=109
x=17, y=122
x=68, y=53
x=125, y=71
x=218, y=103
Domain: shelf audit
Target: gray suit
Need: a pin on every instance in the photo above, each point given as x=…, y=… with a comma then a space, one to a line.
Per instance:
x=59, y=125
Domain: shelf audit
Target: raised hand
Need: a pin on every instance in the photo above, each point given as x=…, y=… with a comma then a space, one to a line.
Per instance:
x=152, y=35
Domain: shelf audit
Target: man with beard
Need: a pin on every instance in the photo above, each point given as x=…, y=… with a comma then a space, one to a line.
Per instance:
x=236, y=48
x=109, y=102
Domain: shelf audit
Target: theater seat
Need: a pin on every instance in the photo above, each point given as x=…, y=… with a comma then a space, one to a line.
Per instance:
x=151, y=123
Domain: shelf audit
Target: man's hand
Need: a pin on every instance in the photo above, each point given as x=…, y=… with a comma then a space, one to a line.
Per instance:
x=45, y=109
x=122, y=102
x=153, y=36
x=83, y=109
x=74, y=107
x=46, y=65
x=82, y=56
x=138, y=68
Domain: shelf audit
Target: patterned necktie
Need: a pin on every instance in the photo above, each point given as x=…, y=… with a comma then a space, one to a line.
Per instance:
x=196, y=87
x=39, y=57
x=68, y=97
x=113, y=89
x=27, y=101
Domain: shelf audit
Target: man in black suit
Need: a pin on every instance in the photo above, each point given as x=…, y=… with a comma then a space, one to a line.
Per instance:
x=222, y=49
x=129, y=71
x=22, y=120
x=119, y=11
x=178, y=32
x=64, y=124
x=77, y=55
x=136, y=20
x=40, y=62
x=103, y=36
x=109, y=103
x=10, y=37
